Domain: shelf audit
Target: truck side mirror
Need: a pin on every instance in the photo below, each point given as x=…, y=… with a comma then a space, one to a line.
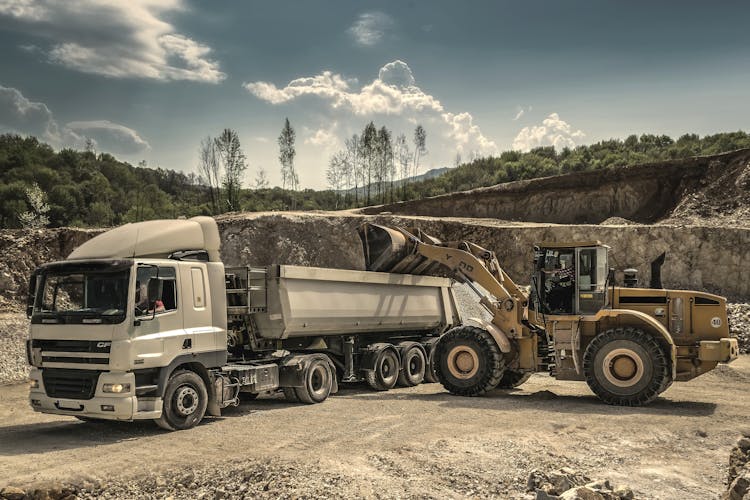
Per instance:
x=31, y=296
x=155, y=286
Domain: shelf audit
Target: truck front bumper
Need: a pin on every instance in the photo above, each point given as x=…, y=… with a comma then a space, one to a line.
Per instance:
x=103, y=405
x=722, y=350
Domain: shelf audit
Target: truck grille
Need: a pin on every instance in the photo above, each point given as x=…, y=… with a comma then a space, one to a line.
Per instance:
x=71, y=384
x=101, y=346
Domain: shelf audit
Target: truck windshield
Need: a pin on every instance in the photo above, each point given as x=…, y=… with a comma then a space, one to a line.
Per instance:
x=81, y=296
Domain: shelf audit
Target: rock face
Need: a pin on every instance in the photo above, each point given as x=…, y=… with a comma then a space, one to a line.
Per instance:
x=644, y=193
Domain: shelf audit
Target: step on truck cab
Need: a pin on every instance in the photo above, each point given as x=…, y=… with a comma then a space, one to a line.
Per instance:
x=145, y=322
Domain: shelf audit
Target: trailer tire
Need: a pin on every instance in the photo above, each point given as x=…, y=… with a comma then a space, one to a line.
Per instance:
x=318, y=379
x=413, y=364
x=469, y=362
x=384, y=374
x=512, y=379
x=185, y=401
x=626, y=367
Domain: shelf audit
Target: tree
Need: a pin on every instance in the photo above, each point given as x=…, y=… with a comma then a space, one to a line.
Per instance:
x=235, y=164
x=37, y=216
x=286, y=157
x=209, y=169
x=420, y=142
x=261, y=179
x=336, y=174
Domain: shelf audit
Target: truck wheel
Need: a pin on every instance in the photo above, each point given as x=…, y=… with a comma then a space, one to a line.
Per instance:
x=413, y=364
x=512, y=379
x=626, y=367
x=318, y=382
x=385, y=374
x=185, y=401
x=468, y=361
x=430, y=373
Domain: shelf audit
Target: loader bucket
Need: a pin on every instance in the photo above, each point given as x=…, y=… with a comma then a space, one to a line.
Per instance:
x=392, y=249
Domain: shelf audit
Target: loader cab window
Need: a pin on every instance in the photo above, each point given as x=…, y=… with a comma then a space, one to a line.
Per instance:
x=167, y=301
x=591, y=279
x=558, y=281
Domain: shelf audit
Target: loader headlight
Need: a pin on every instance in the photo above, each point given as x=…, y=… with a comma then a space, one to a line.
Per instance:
x=116, y=388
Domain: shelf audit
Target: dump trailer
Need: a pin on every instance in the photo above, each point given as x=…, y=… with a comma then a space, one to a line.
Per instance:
x=145, y=322
x=628, y=343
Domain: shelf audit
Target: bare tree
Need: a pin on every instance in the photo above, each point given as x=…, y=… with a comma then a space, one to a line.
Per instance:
x=261, y=179
x=36, y=217
x=286, y=157
x=336, y=173
x=235, y=164
x=209, y=169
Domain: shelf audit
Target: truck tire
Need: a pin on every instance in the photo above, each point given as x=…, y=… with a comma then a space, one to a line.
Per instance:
x=387, y=366
x=626, y=367
x=318, y=380
x=430, y=373
x=413, y=364
x=468, y=361
x=512, y=379
x=185, y=401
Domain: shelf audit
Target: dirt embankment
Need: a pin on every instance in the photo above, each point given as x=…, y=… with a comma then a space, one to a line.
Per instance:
x=679, y=191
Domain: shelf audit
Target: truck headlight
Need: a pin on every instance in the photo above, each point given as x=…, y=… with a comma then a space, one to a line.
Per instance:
x=33, y=384
x=116, y=388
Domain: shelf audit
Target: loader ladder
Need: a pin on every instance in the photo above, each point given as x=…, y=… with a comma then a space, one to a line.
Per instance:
x=247, y=292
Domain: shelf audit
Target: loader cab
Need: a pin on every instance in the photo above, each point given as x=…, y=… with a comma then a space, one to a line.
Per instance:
x=570, y=278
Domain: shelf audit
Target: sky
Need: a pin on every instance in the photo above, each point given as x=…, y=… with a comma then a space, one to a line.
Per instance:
x=148, y=79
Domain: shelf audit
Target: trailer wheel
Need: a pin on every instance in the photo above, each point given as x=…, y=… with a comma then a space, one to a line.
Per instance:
x=430, y=373
x=469, y=362
x=626, y=367
x=318, y=381
x=413, y=364
x=385, y=373
x=185, y=401
x=512, y=379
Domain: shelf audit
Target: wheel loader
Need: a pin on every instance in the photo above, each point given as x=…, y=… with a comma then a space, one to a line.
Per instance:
x=628, y=343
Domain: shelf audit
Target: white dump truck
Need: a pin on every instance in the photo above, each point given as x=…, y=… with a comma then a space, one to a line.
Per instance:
x=145, y=322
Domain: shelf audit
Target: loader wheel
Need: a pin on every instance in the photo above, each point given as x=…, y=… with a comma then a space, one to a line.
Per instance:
x=318, y=381
x=413, y=364
x=626, y=367
x=512, y=379
x=185, y=401
x=385, y=374
x=468, y=361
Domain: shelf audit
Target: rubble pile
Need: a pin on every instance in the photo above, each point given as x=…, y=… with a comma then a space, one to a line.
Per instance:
x=739, y=470
x=567, y=484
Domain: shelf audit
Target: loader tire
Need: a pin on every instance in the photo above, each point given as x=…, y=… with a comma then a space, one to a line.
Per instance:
x=626, y=367
x=512, y=379
x=413, y=364
x=468, y=361
x=386, y=369
x=185, y=401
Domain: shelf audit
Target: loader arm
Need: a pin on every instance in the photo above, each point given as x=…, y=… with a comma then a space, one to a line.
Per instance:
x=394, y=249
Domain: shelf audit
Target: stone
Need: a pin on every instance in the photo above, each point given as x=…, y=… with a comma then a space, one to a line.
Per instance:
x=12, y=493
x=581, y=493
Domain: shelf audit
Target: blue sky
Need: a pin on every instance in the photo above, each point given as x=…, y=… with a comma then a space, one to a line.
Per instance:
x=148, y=79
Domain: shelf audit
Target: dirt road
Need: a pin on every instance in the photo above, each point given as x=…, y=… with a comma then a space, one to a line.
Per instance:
x=408, y=442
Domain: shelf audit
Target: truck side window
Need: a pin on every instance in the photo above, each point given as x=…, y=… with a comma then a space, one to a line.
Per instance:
x=168, y=300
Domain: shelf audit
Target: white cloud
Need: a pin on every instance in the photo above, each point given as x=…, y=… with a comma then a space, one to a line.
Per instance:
x=552, y=132
x=23, y=116
x=370, y=28
x=520, y=111
x=111, y=137
x=393, y=94
x=114, y=38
